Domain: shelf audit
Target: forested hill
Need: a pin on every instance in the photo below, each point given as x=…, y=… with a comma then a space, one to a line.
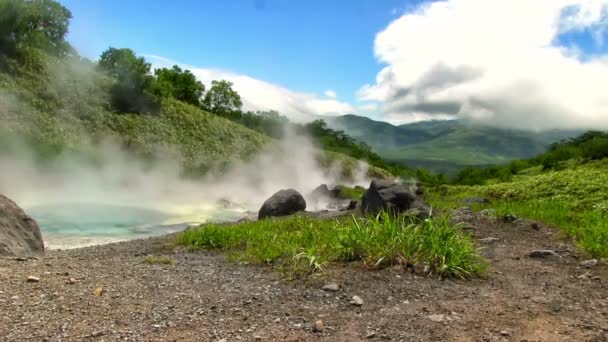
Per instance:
x=449, y=145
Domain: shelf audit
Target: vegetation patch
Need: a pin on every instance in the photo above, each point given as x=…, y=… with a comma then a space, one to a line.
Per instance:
x=301, y=246
x=158, y=260
x=574, y=199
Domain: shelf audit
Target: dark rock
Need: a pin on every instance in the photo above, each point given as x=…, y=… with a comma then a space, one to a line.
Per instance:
x=535, y=226
x=510, y=218
x=543, y=254
x=392, y=197
x=19, y=234
x=352, y=205
x=282, y=203
x=475, y=200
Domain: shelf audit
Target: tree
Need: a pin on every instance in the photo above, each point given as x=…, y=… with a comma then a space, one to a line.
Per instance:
x=133, y=80
x=179, y=84
x=221, y=98
x=40, y=24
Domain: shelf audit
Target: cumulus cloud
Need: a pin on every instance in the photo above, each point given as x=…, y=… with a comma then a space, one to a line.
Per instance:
x=494, y=61
x=331, y=93
x=261, y=95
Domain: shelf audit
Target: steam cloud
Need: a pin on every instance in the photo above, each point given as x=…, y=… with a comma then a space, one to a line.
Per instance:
x=122, y=180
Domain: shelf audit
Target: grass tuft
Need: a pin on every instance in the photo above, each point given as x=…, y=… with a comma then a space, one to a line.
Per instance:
x=159, y=260
x=301, y=246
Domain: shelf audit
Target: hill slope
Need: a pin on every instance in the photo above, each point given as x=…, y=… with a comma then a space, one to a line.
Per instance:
x=446, y=146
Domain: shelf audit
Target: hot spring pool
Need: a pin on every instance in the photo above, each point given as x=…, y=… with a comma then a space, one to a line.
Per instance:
x=79, y=225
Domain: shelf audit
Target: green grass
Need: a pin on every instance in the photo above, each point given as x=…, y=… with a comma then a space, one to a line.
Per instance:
x=301, y=246
x=159, y=260
x=574, y=200
x=351, y=193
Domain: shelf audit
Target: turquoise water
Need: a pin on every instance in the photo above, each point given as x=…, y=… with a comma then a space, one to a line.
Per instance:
x=79, y=225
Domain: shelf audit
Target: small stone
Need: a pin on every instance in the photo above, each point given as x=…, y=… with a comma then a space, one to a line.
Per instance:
x=319, y=326
x=436, y=318
x=370, y=334
x=356, y=300
x=489, y=240
x=32, y=279
x=589, y=263
x=222, y=340
x=504, y=333
x=543, y=254
x=297, y=325
x=535, y=226
x=331, y=287
x=71, y=281
x=99, y=291
x=278, y=320
x=156, y=326
x=97, y=333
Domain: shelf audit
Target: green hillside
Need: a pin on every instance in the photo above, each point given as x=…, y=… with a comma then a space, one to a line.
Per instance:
x=446, y=146
x=55, y=101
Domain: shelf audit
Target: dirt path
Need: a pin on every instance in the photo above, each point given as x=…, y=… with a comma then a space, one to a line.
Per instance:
x=203, y=297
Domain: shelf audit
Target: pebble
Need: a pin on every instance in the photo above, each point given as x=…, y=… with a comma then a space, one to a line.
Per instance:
x=331, y=287
x=319, y=326
x=489, y=240
x=504, y=333
x=356, y=300
x=535, y=226
x=370, y=334
x=32, y=279
x=543, y=254
x=589, y=263
x=71, y=281
x=436, y=318
x=99, y=291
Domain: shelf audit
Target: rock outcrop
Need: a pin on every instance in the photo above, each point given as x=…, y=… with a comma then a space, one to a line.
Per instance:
x=282, y=203
x=390, y=196
x=19, y=234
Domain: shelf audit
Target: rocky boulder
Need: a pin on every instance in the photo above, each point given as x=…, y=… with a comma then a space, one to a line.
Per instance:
x=393, y=197
x=19, y=233
x=282, y=203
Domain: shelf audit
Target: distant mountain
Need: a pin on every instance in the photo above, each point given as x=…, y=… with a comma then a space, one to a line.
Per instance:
x=448, y=145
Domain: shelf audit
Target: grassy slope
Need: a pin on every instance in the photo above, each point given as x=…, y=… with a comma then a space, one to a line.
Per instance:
x=66, y=111
x=575, y=200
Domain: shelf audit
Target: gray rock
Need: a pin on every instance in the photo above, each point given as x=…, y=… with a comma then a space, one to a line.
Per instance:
x=393, y=197
x=32, y=279
x=436, y=318
x=331, y=287
x=282, y=203
x=543, y=254
x=589, y=263
x=19, y=234
x=356, y=300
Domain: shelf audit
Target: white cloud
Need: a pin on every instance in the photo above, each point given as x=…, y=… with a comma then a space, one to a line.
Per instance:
x=494, y=61
x=368, y=107
x=331, y=93
x=261, y=95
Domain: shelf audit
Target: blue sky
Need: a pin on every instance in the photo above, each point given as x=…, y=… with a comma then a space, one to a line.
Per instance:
x=307, y=46
x=518, y=63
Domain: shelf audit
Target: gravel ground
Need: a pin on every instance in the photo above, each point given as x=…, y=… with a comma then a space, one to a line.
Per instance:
x=204, y=297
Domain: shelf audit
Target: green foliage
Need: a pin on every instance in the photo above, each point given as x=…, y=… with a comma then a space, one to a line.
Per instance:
x=301, y=245
x=159, y=260
x=33, y=24
x=179, y=84
x=130, y=93
x=351, y=193
x=591, y=145
x=574, y=199
x=221, y=98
